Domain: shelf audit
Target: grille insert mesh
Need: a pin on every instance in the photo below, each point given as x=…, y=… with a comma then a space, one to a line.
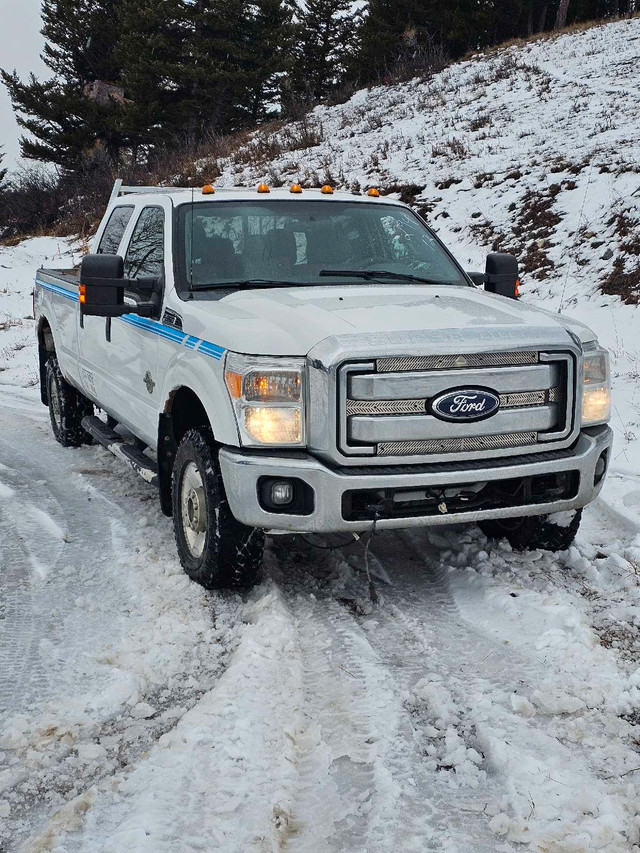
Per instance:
x=386, y=407
x=451, y=361
x=457, y=445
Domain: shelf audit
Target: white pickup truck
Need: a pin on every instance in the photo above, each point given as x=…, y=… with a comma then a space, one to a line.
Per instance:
x=310, y=360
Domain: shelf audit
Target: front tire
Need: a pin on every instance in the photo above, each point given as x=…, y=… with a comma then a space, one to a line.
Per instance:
x=215, y=550
x=67, y=408
x=535, y=531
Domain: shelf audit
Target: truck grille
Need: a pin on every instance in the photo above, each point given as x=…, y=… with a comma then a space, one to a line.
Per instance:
x=456, y=445
x=442, y=362
x=384, y=405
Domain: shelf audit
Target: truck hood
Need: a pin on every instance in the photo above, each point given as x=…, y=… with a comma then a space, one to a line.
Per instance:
x=291, y=321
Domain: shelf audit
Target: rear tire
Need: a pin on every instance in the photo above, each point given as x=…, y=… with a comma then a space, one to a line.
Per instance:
x=215, y=550
x=67, y=408
x=534, y=531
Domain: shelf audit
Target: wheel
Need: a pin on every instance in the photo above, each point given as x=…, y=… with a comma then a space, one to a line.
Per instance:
x=67, y=408
x=550, y=532
x=215, y=550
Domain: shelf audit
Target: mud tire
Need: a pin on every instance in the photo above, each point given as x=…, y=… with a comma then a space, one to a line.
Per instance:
x=67, y=408
x=215, y=550
x=532, y=532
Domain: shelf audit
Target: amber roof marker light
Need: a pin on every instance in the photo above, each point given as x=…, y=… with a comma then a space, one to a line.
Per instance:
x=327, y=189
x=207, y=189
x=374, y=192
x=295, y=188
x=263, y=188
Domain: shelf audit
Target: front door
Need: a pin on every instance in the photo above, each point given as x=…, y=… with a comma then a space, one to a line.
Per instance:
x=92, y=333
x=132, y=353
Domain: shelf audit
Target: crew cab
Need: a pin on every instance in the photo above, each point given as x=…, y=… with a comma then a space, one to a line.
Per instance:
x=307, y=360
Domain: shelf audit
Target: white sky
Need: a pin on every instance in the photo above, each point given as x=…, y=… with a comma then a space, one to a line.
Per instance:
x=20, y=47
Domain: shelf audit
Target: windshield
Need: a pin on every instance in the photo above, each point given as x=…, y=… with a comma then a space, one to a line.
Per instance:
x=272, y=242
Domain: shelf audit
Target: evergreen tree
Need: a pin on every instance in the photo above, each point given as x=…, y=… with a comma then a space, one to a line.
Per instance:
x=271, y=44
x=77, y=111
x=326, y=34
x=3, y=172
x=191, y=68
x=149, y=54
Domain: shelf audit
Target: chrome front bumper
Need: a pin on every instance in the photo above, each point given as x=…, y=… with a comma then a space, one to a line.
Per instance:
x=241, y=471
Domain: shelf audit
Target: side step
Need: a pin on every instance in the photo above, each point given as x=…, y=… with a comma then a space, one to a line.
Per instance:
x=129, y=453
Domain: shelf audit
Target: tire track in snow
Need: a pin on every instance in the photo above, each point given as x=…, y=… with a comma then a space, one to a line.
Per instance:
x=460, y=763
x=393, y=800
x=110, y=622
x=528, y=759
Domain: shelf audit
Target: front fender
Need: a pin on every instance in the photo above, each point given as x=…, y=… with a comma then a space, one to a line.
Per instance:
x=204, y=375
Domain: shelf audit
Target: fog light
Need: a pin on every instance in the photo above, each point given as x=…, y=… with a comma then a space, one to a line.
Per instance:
x=282, y=493
x=601, y=467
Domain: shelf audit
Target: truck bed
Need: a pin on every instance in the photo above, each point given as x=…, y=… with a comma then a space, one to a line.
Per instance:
x=67, y=277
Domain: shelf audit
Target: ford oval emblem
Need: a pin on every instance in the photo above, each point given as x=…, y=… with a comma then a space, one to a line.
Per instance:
x=465, y=404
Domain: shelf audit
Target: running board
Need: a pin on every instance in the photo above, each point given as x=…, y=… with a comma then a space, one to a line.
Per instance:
x=129, y=453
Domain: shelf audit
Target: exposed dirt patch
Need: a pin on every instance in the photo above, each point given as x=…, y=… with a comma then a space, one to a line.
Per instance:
x=625, y=284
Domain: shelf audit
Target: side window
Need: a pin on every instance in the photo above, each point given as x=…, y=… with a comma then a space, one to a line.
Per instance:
x=112, y=234
x=145, y=255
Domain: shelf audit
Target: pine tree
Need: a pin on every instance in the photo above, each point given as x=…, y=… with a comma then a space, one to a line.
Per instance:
x=77, y=111
x=3, y=172
x=192, y=68
x=326, y=34
x=271, y=44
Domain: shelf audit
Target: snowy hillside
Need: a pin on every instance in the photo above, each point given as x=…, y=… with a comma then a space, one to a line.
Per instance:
x=490, y=701
x=533, y=149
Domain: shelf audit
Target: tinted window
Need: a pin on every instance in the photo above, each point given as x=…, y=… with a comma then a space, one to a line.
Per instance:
x=145, y=255
x=112, y=234
x=299, y=241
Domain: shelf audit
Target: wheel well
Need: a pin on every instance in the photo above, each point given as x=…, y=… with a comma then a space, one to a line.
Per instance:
x=183, y=411
x=46, y=348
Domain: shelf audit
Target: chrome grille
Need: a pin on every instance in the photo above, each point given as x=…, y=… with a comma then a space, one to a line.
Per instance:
x=384, y=404
x=520, y=399
x=386, y=407
x=456, y=445
x=448, y=362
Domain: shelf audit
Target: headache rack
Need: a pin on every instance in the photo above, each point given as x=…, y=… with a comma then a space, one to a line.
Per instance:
x=119, y=190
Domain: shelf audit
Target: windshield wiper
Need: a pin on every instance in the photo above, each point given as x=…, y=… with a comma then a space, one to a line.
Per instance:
x=368, y=274
x=250, y=282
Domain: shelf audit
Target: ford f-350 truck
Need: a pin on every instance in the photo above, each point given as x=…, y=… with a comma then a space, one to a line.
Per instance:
x=300, y=360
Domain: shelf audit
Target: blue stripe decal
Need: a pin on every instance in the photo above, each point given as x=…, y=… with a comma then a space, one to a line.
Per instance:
x=147, y=325
x=60, y=291
x=211, y=350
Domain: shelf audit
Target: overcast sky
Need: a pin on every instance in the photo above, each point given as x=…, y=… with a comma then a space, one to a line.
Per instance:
x=20, y=47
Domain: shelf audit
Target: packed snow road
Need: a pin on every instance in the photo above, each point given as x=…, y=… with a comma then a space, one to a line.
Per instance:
x=487, y=700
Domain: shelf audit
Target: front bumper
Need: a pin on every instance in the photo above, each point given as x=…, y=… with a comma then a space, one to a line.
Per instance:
x=241, y=471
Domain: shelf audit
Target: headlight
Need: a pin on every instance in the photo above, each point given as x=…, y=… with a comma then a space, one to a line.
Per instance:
x=596, y=390
x=268, y=398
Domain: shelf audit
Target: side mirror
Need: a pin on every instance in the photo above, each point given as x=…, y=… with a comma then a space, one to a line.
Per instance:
x=502, y=275
x=102, y=286
x=478, y=278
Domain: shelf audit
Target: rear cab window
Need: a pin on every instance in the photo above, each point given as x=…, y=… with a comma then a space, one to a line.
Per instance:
x=114, y=232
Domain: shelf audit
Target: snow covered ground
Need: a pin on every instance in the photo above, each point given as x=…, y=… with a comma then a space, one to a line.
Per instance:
x=490, y=701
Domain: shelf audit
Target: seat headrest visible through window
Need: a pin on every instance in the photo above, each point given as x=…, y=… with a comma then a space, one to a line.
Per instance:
x=323, y=248
x=281, y=246
x=214, y=257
